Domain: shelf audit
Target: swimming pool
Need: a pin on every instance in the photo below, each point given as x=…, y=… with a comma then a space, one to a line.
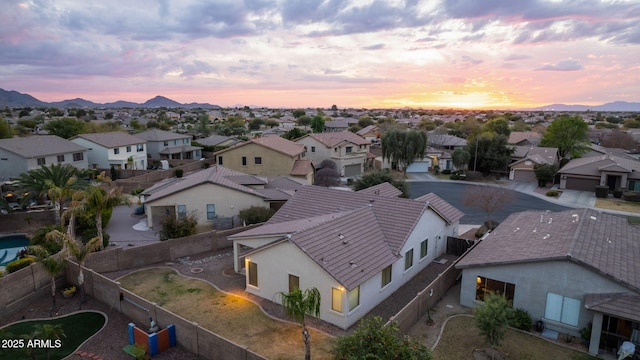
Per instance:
x=10, y=246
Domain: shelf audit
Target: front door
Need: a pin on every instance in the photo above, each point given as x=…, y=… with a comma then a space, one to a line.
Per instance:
x=613, y=182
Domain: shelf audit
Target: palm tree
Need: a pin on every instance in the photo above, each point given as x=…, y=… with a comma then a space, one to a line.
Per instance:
x=297, y=304
x=51, y=265
x=50, y=332
x=56, y=182
x=80, y=252
x=98, y=199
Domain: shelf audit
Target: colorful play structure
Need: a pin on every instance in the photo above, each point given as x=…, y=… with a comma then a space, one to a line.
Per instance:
x=154, y=342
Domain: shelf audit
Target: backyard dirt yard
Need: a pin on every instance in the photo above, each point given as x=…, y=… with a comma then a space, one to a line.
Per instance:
x=230, y=316
x=617, y=204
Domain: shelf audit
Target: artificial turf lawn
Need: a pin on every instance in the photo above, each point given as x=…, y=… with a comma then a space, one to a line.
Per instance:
x=77, y=328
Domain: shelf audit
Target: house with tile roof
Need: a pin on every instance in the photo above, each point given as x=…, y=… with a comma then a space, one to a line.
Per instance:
x=605, y=170
x=524, y=138
x=370, y=133
x=19, y=155
x=346, y=149
x=525, y=158
x=356, y=248
x=216, y=195
x=115, y=149
x=568, y=268
x=268, y=156
x=169, y=145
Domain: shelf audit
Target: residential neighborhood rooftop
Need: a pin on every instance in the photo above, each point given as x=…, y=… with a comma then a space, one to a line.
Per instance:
x=38, y=146
x=331, y=139
x=111, y=139
x=160, y=135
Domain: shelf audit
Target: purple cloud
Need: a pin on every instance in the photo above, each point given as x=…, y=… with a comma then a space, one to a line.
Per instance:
x=563, y=65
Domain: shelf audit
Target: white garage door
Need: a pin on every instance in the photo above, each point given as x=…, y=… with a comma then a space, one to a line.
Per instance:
x=352, y=170
x=418, y=167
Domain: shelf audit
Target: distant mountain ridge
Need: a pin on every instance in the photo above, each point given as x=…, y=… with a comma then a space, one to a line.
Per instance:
x=612, y=106
x=16, y=99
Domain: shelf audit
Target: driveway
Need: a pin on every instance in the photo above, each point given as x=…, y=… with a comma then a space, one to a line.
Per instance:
x=127, y=229
x=454, y=193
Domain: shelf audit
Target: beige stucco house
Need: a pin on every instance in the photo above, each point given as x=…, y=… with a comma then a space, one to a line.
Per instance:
x=268, y=156
x=216, y=195
x=346, y=149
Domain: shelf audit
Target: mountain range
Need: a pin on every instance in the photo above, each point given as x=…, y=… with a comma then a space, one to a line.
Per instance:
x=14, y=99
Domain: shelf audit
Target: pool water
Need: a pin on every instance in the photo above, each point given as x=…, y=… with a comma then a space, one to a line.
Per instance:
x=10, y=246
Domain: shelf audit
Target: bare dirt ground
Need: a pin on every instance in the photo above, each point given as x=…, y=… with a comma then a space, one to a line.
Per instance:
x=618, y=204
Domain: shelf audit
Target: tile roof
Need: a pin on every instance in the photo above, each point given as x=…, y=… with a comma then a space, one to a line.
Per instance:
x=369, y=128
x=445, y=140
x=216, y=140
x=446, y=211
x=624, y=305
x=178, y=149
x=160, y=135
x=280, y=144
x=214, y=175
x=603, y=242
x=384, y=189
x=595, y=164
x=352, y=235
x=331, y=139
x=111, y=139
x=301, y=168
x=539, y=155
x=39, y=146
x=518, y=136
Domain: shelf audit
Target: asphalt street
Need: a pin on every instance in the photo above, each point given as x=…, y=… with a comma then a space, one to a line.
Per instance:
x=454, y=194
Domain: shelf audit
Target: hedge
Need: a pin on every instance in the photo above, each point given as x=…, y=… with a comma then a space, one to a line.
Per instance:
x=633, y=196
x=19, y=264
x=602, y=192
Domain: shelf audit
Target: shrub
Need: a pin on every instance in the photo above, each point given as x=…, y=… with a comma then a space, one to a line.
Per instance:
x=552, y=193
x=255, y=215
x=19, y=264
x=446, y=171
x=179, y=173
x=520, y=319
x=172, y=228
x=633, y=196
x=617, y=193
x=481, y=231
x=602, y=192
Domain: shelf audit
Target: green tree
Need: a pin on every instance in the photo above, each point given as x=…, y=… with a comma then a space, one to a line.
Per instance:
x=298, y=113
x=56, y=182
x=255, y=215
x=492, y=318
x=294, y=133
x=403, y=147
x=568, y=134
x=317, y=124
x=49, y=332
x=373, y=340
x=97, y=199
x=297, y=304
x=5, y=129
x=489, y=152
x=80, y=252
x=365, y=121
x=545, y=173
x=51, y=265
x=65, y=127
x=303, y=120
x=173, y=227
x=255, y=123
x=379, y=177
x=461, y=158
x=499, y=126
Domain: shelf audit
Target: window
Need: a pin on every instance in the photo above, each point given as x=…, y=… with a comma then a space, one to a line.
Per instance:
x=562, y=309
x=354, y=298
x=219, y=160
x=166, y=143
x=257, y=160
x=634, y=185
x=336, y=299
x=294, y=282
x=253, y=274
x=408, y=259
x=140, y=147
x=176, y=142
x=485, y=285
x=349, y=149
x=313, y=149
x=116, y=151
x=42, y=161
x=128, y=148
x=244, y=161
x=386, y=276
x=335, y=149
x=424, y=248
x=60, y=158
x=211, y=211
x=182, y=211
x=78, y=156
x=185, y=141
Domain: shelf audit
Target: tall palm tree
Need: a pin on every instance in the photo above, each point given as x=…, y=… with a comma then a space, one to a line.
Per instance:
x=56, y=182
x=98, y=199
x=51, y=265
x=297, y=304
x=80, y=252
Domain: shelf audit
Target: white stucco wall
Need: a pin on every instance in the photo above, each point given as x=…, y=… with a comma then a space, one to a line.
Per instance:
x=101, y=157
x=534, y=280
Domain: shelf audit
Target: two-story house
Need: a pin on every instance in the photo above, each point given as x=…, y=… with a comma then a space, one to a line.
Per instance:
x=169, y=145
x=346, y=149
x=268, y=156
x=117, y=149
x=19, y=155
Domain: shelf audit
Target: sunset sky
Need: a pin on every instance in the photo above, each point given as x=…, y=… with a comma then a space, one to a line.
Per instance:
x=315, y=53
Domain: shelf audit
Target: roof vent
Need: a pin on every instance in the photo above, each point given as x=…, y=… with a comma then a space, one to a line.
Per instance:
x=546, y=236
x=550, y=220
x=353, y=264
x=340, y=236
x=592, y=217
x=517, y=229
x=535, y=230
x=574, y=218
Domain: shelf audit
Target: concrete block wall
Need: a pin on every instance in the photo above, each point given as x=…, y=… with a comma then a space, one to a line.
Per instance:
x=26, y=222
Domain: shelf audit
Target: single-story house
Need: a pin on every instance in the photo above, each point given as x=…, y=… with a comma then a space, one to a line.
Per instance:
x=525, y=158
x=570, y=269
x=606, y=170
x=356, y=248
x=216, y=195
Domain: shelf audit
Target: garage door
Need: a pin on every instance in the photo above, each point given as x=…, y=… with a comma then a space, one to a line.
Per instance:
x=418, y=167
x=352, y=170
x=524, y=175
x=582, y=184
